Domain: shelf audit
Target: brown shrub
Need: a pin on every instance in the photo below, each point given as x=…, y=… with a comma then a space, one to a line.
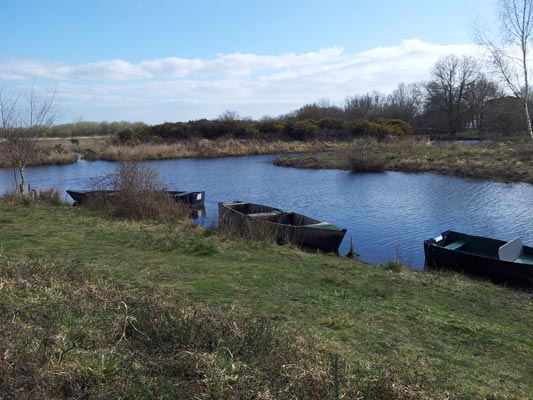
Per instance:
x=137, y=193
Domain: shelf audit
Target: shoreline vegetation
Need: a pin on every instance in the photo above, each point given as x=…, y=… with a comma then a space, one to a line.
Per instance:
x=508, y=161
x=100, y=307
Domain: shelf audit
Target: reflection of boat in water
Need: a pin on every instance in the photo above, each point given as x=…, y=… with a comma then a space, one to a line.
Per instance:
x=198, y=212
x=284, y=226
x=509, y=262
x=193, y=199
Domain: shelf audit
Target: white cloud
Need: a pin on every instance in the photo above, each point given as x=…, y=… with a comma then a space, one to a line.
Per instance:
x=173, y=88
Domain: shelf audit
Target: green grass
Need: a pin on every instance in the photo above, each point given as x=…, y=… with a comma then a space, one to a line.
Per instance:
x=428, y=333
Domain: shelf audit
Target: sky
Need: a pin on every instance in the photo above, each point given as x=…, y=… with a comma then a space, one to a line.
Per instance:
x=178, y=60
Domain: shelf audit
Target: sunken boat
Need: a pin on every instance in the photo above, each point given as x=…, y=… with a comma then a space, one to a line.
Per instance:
x=284, y=226
x=504, y=262
x=193, y=199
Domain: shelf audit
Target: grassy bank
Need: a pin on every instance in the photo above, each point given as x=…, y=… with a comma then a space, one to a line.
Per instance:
x=100, y=308
x=500, y=161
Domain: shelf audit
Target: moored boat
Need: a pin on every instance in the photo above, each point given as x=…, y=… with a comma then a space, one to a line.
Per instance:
x=193, y=199
x=508, y=262
x=285, y=226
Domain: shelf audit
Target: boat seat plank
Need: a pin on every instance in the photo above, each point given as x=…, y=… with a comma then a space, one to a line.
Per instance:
x=525, y=259
x=263, y=215
x=455, y=245
x=512, y=250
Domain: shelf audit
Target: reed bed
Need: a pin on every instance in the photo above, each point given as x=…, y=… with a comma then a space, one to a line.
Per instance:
x=205, y=148
x=60, y=151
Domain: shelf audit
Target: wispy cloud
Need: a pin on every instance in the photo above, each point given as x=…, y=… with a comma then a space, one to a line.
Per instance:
x=180, y=89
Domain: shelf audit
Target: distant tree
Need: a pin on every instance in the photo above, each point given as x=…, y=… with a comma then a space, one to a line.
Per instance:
x=504, y=115
x=510, y=55
x=229, y=121
x=405, y=102
x=318, y=110
x=270, y=125
x=476, y=98
x=451, y=77
x=366, y=106
x=25, y=116
x=229, y=115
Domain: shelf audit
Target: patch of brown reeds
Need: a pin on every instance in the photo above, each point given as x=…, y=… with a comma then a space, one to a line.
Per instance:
x=136, y=193
x=205, y=148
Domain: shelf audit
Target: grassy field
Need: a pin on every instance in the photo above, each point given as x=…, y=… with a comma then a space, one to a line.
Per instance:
x=95, y=307
x=501, y=161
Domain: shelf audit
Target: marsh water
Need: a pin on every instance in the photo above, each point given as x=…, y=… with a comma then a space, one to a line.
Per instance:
x=388, y=214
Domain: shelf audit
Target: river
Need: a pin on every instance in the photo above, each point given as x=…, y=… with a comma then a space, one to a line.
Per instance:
x=388, y=214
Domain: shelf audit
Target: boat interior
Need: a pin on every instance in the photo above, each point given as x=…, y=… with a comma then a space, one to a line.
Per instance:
x=513, y=251
x=274, y=215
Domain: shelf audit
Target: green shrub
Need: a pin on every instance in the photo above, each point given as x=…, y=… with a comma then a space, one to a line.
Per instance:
x=331, y=123
x=391, y=127
x=270, y=126
x=362, y=127
x=245, y=131
x=395, y=127
x=304, y=130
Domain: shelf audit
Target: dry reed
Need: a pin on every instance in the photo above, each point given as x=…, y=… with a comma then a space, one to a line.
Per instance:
x=205, y=148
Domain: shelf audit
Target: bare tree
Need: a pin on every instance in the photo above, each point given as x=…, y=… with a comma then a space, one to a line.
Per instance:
x=451, y=77
x=478, y=94
x=24, y=117
x=369, y=106
x=405, y=102
x=510, y=55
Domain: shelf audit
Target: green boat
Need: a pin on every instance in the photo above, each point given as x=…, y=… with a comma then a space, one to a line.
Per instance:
x=285, y=226
x=508, y=262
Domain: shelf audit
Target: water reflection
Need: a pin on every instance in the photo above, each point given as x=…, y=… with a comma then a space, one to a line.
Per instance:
x=389, y=215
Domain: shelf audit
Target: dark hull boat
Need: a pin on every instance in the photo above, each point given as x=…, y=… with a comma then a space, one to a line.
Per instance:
x=505, y=262
x=285, y=226
x=193, y=199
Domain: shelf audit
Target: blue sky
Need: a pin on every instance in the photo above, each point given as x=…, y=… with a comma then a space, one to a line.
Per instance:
x=163, y=60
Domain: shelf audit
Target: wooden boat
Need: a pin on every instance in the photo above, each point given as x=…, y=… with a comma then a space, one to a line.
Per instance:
x=508, y=262
x=193, y=199
x=284, y=226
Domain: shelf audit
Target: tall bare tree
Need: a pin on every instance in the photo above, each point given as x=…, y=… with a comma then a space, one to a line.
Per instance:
x=450, y=78
x=24, y=117
x=510, y=55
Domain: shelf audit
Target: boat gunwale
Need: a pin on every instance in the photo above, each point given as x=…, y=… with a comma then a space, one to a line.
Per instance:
x=432, y=242
x=307, y=226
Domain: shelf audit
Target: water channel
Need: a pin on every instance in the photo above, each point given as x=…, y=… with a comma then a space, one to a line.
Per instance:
x=387, y=214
